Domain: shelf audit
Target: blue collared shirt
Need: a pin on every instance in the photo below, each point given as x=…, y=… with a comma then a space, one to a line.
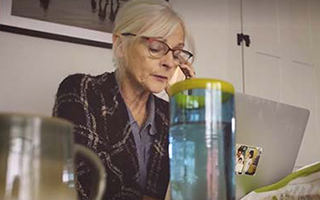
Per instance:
x=144, y=138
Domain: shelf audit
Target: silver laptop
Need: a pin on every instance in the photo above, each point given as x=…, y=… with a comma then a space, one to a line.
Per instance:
x=277, y=129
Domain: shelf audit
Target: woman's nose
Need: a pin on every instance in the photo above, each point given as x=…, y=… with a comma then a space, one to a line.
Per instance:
x=168, y=60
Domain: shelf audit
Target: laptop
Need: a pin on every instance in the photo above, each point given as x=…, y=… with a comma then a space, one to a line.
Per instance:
x=275, y=131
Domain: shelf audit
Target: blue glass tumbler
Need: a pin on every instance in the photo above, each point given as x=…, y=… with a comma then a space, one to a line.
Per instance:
x=202, y=140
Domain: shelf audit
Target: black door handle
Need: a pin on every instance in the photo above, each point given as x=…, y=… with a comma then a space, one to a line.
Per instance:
x=241, y=37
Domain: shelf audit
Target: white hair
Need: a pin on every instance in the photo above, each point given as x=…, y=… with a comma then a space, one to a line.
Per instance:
x=150, y=18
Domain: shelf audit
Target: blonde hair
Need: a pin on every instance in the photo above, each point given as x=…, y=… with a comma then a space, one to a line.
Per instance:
x=150, y=18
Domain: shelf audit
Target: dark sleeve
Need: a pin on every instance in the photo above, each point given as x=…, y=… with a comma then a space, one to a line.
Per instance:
x=71, y=103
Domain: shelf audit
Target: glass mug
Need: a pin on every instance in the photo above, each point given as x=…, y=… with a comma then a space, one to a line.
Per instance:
x=37, y=159
x=202, y=140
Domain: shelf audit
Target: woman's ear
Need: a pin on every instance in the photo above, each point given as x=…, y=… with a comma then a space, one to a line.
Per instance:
x=114, y=38
x=116, y=42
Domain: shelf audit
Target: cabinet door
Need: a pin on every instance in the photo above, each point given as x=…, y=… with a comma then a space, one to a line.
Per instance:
x=281, y=64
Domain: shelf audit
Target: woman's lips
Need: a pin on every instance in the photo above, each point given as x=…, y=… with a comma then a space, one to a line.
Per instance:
x=160, y=78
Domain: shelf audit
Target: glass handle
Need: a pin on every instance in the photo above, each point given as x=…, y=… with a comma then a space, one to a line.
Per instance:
x=91, y=156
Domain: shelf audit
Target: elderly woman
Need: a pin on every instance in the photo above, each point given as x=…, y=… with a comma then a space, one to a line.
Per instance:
x=116, y=114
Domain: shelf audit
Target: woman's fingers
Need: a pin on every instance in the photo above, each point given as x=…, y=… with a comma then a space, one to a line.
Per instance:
x=183, y=72
x=188, y=70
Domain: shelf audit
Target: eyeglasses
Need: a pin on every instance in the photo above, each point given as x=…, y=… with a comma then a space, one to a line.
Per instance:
x=158, y=49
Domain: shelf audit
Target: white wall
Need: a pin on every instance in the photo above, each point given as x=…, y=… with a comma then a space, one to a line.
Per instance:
x=31, y=69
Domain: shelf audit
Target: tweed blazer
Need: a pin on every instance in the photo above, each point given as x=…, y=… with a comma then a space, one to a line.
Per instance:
x=96, y=108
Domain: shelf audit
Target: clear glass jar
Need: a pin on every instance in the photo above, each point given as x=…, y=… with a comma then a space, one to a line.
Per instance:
x=202, y=140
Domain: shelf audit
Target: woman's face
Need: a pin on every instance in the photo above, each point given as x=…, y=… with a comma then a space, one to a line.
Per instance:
x=149, y=73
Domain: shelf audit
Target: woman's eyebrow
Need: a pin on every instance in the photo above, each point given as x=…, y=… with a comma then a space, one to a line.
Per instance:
x=165, y=40
x=179, y=45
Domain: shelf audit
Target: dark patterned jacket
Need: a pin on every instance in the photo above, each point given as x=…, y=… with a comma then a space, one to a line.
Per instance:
x=95, y=106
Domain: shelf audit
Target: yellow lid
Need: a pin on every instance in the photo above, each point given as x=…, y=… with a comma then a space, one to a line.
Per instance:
x=201, y=83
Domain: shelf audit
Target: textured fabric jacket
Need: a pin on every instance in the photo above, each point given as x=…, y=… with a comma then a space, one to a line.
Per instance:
x=96, y=108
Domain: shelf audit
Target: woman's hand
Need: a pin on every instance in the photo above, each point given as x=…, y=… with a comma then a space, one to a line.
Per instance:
x=182, y=72
x=188, y=70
